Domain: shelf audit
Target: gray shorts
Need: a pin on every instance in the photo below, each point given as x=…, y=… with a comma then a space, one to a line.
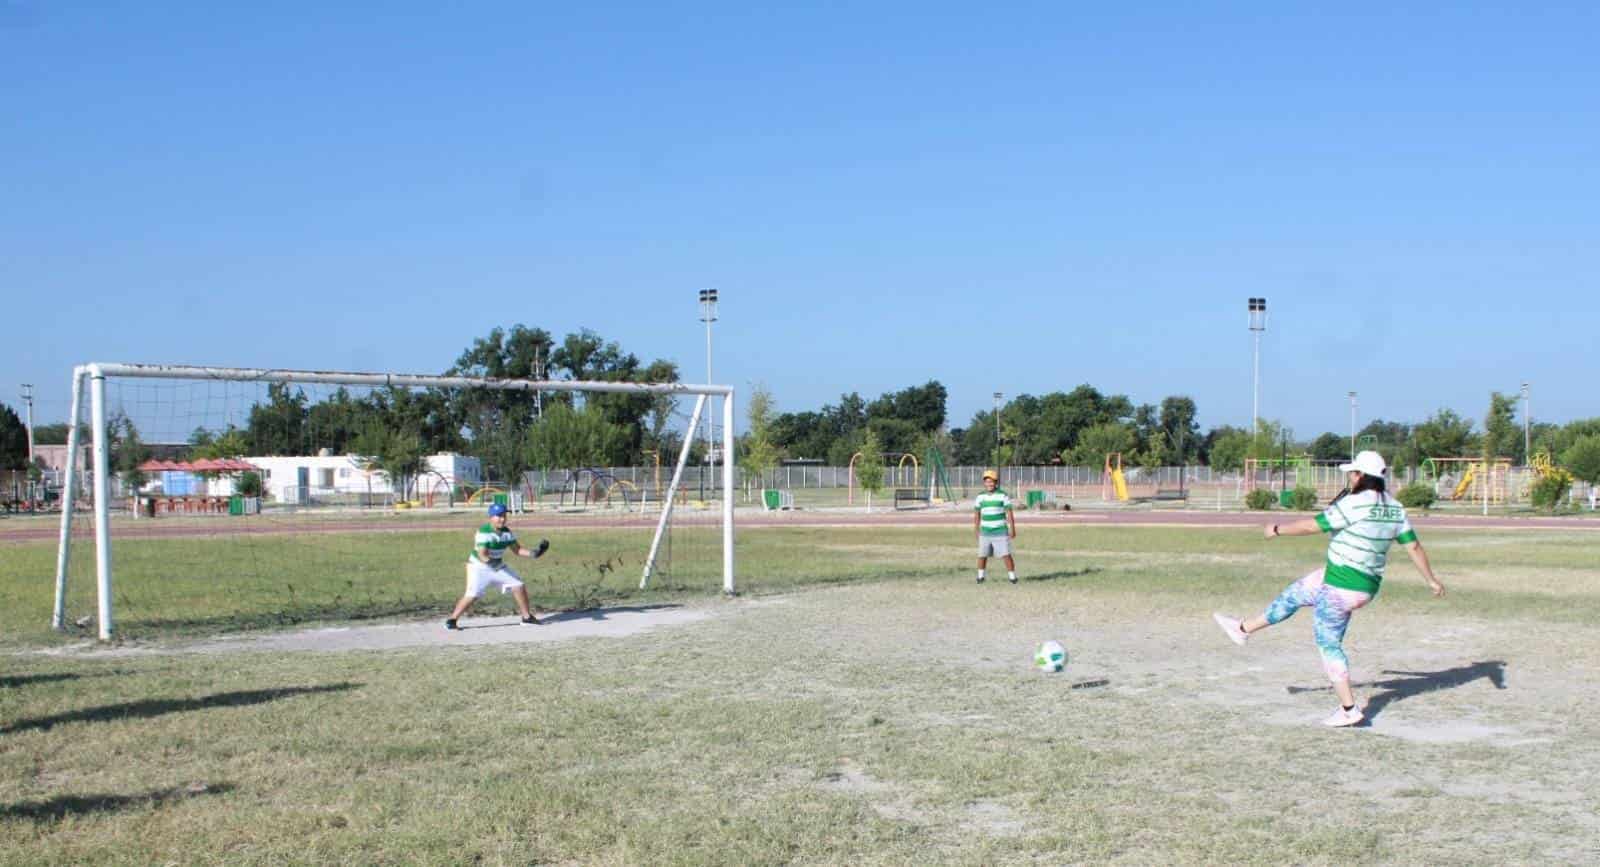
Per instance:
x=994, y=546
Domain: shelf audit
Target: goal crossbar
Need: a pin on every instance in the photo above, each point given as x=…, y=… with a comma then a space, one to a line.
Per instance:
x=95, y=374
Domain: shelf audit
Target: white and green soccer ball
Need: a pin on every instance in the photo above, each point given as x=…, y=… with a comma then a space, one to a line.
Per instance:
x=1050, y=656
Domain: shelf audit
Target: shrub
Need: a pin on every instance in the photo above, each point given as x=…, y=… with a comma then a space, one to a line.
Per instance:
x=1260, y=499
x=1551, y=489
x=248, y=485
x=1417, y=495
x=1303, y=498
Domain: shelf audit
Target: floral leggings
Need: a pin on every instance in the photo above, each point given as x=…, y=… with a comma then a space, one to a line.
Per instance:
x=1331, y=606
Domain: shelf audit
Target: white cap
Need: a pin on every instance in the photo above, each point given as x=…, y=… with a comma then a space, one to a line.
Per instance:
x=1368, y=463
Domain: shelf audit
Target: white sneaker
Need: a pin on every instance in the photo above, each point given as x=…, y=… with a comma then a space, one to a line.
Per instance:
x=1231, y=627
x=1342, y=717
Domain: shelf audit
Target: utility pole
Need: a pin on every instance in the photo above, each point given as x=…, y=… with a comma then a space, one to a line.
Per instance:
x=1258, y=325
x=27, y=399
x=997, y=396
x=708, y=315
x=1352, y=425
x=1527, y=426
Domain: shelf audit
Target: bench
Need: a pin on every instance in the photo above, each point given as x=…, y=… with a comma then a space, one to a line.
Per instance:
x=911, y=495
x=1173, y=494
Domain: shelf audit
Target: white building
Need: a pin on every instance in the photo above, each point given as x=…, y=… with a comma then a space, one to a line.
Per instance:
x=306, y=478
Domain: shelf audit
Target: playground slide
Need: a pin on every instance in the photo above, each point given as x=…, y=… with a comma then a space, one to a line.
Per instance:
x=1120, y=483
x=1464, y=485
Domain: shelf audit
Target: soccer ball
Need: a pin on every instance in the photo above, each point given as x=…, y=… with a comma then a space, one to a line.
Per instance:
x=1050, y=656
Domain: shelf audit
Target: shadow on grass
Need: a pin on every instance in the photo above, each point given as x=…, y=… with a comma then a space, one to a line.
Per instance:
x=160, y=707
x=14, y=680
x=601, y=613
x=1412, y=683
x=1063, y=573
x=136, y=627
x=78, y=805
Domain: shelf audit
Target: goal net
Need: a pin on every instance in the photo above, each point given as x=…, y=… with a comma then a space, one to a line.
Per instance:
x=226, y=498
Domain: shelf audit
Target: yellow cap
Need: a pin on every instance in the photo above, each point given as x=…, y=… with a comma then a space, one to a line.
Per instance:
x=991, y=474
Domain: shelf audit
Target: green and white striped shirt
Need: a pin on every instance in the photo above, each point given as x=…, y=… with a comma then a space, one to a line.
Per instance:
x=1363, y=525
x=992, y=508
x=495, y=541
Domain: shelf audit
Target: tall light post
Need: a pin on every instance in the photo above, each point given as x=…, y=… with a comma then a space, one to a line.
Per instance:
x=708, y=315
x=1527, y=426
x=1258, y=324
x=997, y=396
x=1352, y=425
x=27, y=399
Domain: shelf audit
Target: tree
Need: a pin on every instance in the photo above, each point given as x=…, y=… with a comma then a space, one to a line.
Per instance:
x=13, y=440
x=1098, y=441
x=54, y=434
x=1444, y=435
x=397, y=453
x=277, y=427
x=1501, y=438
x=1330, y=447
x=869, y=468
x=1178, y=421
x=570, y=438
x=760, y=455
x=1228, y=451
x=128, y=451
x=1582, y=458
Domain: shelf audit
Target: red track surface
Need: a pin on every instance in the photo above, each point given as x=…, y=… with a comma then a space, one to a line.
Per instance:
x=35, y=530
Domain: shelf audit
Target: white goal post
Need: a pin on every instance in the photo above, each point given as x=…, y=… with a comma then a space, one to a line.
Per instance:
x=94, y=376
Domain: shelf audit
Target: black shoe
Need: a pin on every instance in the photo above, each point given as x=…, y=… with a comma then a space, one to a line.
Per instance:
x=531, y=621
x=1012, y=579
x=451, y=624
x=980, y=579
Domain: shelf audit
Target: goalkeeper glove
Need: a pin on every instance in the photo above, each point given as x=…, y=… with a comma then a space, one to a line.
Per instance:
x=544, y=545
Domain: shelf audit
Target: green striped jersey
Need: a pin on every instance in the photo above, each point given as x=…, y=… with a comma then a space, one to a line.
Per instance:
x=991, y=508
x=496, y=541
x=1363, y=525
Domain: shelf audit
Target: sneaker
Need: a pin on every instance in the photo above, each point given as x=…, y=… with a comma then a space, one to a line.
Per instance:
x=1342, y=717
x=1012, y=578
x=531, y=621
x=451, y=624
x=981, y=579
x=1231, y=627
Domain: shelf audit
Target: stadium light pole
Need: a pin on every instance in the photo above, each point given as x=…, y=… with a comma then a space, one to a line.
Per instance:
x=997, y=396
x=708, y=315
x=1352, y=425
x=1527, y=426
x=27, y=400
x=1258, y=324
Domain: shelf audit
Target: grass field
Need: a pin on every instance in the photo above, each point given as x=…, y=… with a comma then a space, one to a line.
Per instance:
x=862, y=702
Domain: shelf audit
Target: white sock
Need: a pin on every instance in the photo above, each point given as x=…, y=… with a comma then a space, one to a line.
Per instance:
x=983, y=573
x=1011, y=575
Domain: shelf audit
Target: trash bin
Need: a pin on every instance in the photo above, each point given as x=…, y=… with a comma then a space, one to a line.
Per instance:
x=1286, y=499
x=236, y=505
x=772, y=498
x=1035, y=498
x=500, y=499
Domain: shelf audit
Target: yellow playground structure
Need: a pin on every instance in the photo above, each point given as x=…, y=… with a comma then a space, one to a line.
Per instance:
x=1114, y=481
x=1478, y=479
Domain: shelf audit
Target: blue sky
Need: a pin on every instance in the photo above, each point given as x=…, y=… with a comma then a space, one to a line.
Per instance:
x=1021, y=198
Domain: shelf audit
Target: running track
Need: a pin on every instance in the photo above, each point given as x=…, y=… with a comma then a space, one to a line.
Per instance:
x=37, y=530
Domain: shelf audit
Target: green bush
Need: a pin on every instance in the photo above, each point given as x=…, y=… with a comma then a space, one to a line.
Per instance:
x=1260, y=499
x=1303, y=498
x=1417, y=495
x=1550, y=490
x=248, y=485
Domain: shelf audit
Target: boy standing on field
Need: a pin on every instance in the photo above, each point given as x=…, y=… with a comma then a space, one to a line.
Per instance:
x=486, y=567
x=996, y=525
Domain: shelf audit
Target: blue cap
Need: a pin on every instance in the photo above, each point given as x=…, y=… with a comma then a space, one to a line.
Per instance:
x=496, y=509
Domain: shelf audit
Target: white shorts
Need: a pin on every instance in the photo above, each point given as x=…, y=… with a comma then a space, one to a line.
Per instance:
x=481, y=576
x=994, y=546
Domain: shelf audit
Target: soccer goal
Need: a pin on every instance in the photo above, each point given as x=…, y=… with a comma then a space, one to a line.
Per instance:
x=221, y=497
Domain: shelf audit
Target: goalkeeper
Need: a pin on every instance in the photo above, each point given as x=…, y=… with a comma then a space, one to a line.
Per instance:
x=486, y=568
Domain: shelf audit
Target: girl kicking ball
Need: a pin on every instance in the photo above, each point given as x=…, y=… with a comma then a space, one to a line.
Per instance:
x=1364, y=523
